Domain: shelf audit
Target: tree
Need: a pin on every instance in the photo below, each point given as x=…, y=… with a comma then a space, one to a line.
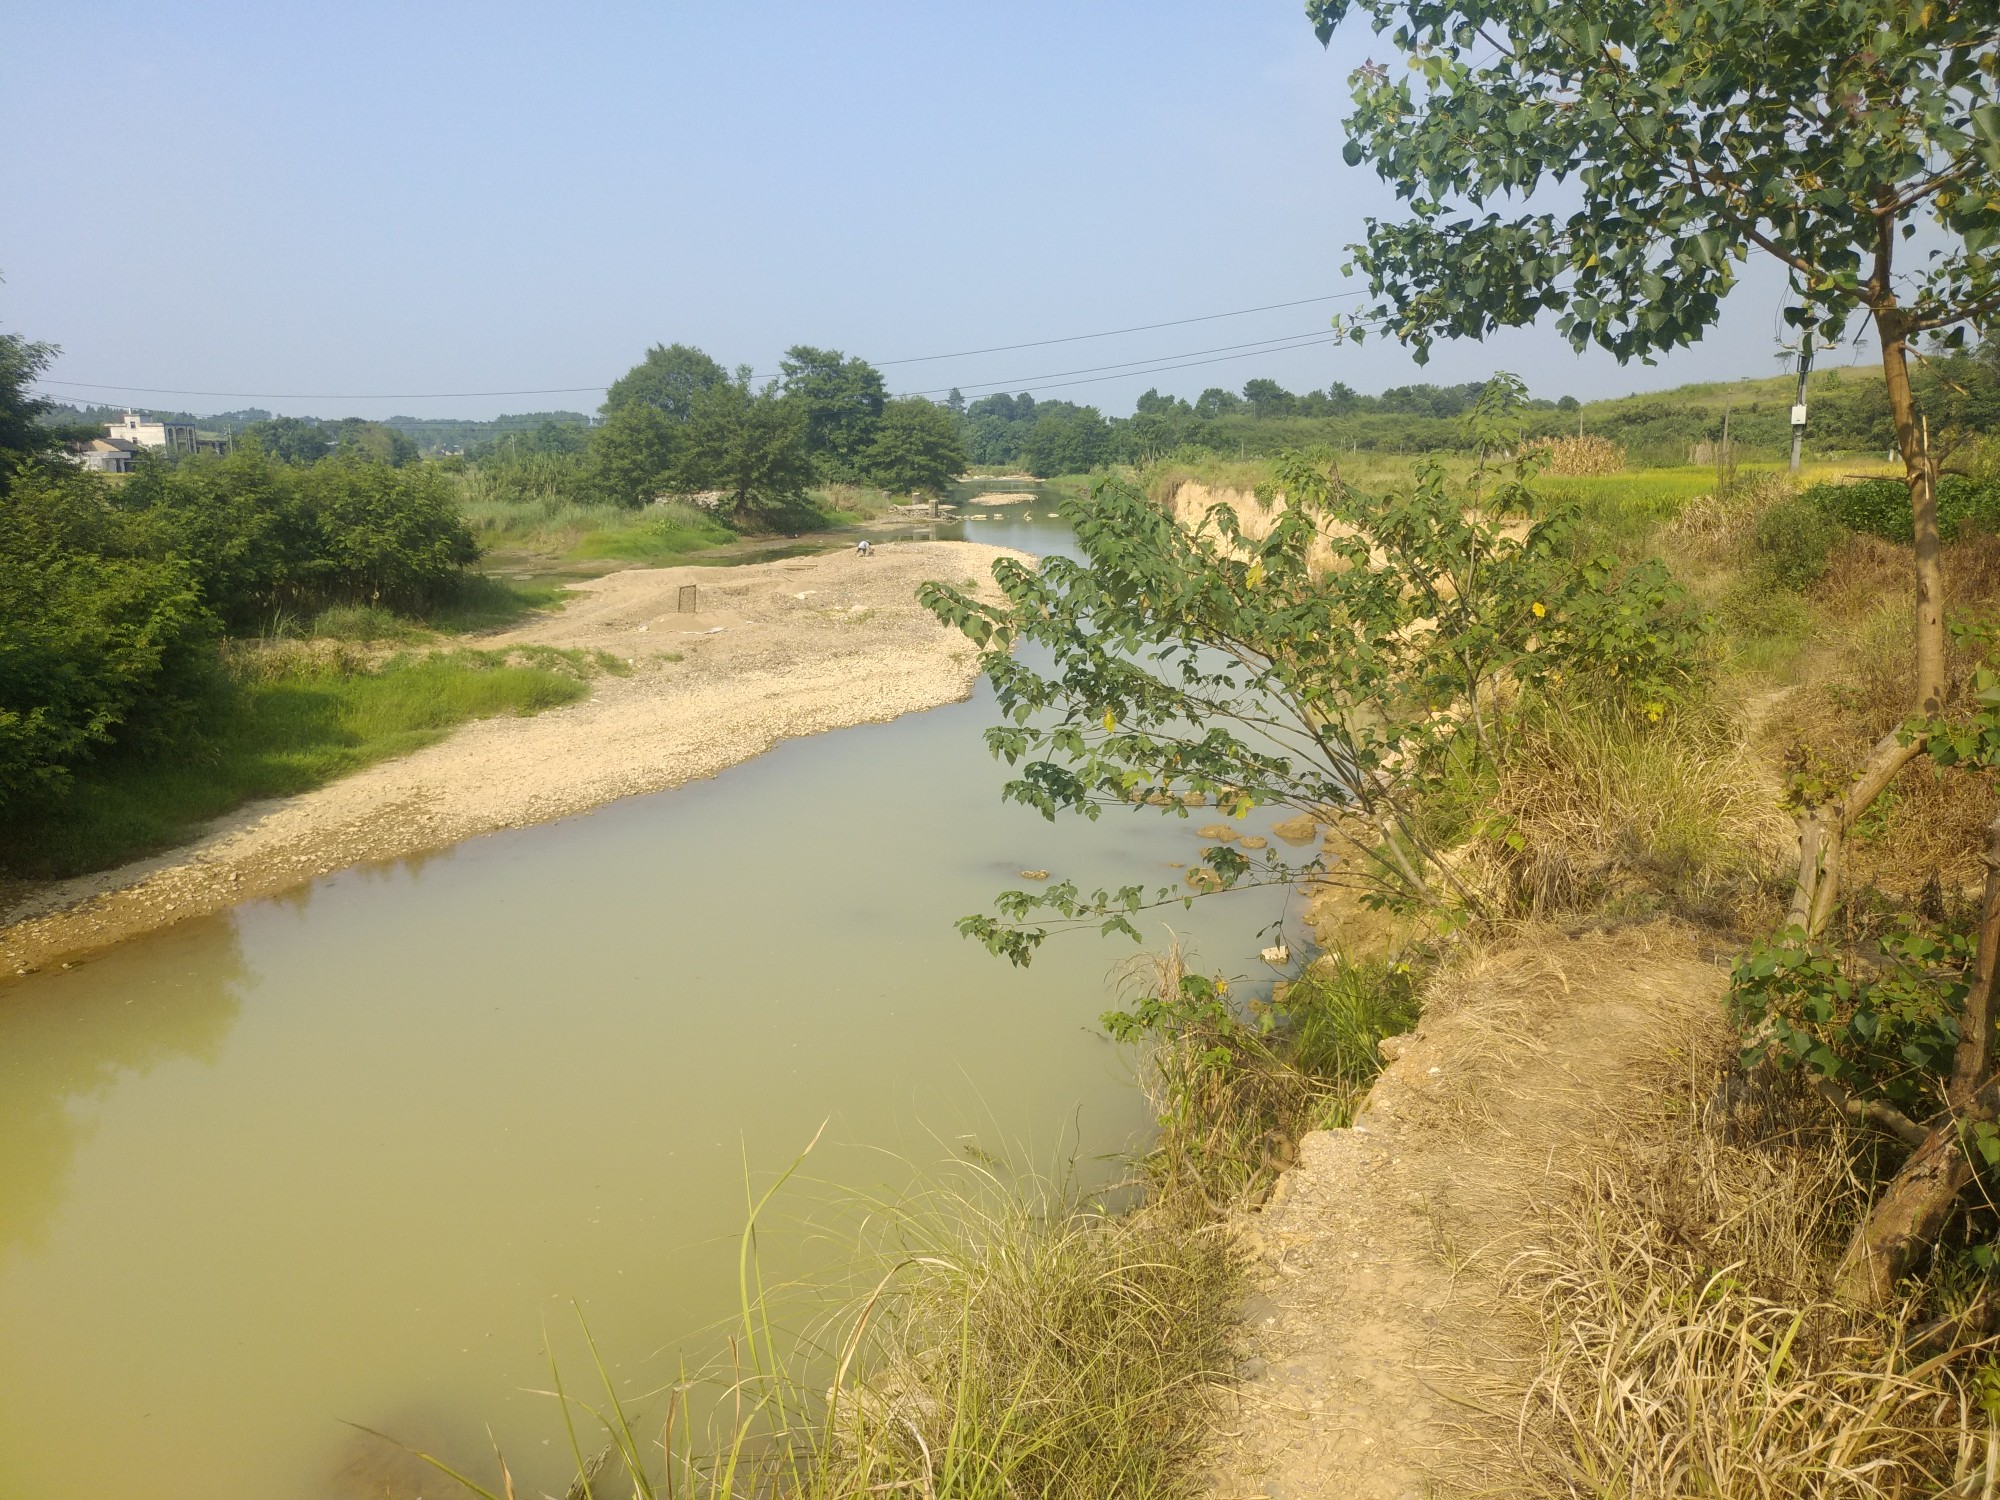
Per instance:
x=668, y=379
x=634, y=455
x=748, y=444
x=1685, y=138
x=374, y=442
x=955, y=403
x=1065, y=439
x=293, y=440
x=1268, y=399
x=1216, y=402
x=841, y=400
x=1179, y=659
x=21, y=364
x=916, y=449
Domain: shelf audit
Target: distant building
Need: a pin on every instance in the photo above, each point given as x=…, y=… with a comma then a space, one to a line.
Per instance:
x=106, y=455
x=175, y=437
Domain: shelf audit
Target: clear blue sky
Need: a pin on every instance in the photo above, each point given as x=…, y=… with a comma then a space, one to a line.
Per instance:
x=378, y=200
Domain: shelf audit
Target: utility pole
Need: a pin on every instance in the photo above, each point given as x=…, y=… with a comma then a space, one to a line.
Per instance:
x=1799, y=400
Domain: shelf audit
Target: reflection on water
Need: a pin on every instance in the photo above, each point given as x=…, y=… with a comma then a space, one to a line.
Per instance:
x=339, y=1156
x=66, y=1045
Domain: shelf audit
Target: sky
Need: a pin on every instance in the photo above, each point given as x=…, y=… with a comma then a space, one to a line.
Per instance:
x=374, y=209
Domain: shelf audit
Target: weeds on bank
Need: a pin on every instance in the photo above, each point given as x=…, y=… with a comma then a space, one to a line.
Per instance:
x=1691, y=1348
x=1016, y=1340
x=290, y=716
x=1234, y=1087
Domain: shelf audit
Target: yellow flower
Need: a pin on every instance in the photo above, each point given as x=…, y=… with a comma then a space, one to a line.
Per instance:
x=1539, y=609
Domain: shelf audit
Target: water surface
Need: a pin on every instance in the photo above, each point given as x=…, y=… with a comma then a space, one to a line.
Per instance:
x=338, y=1155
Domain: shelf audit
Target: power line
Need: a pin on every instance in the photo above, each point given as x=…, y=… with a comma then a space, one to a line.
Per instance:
x=586, y=390
x=1076, y=338
x=1256, y=346
x=1056, y=385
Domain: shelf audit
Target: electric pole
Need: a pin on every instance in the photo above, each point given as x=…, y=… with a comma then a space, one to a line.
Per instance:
x=1799, y=400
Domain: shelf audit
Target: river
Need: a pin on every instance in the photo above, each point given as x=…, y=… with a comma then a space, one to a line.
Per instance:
x=337, y=1157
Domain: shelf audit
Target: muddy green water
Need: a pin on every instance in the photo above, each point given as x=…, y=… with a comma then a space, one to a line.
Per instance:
x=338, y=1156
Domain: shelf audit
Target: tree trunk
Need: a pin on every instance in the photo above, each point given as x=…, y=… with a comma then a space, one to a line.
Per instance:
x=1921, y=477
x=1823, y=830
x=1905, y=1220
x=1920, y=1199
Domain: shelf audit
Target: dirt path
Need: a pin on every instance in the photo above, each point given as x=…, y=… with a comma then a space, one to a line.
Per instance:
x=1383, y=1357
x=776, y=650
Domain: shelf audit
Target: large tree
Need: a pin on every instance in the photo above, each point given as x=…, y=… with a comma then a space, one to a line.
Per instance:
x=841, y=399
x=748, y=444
x=1612, y=163
x=916, y=449
x=21, y=363
x=670, y=379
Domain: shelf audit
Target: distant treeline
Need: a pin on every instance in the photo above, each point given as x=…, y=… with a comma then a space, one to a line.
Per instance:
x=679, y=422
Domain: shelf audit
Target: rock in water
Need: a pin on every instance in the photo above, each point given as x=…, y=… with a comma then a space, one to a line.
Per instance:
x=1220, y=831
x=1300, y=830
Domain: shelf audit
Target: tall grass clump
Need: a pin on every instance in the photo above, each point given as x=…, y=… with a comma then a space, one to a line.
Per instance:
x=1606, y=810
x=1016, y=1340
x=1234, y=1087
x=1691, y=1347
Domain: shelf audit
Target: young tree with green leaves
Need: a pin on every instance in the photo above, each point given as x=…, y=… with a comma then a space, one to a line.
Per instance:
x=1260, y=672
x=1613, y=164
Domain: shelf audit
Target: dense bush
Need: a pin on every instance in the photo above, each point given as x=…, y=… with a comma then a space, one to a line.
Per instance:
x=97, y=640
x=1881, y=507
x=262, y=537
x=1792, y=541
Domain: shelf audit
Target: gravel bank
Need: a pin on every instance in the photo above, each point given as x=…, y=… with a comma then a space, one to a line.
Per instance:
x=776, y=650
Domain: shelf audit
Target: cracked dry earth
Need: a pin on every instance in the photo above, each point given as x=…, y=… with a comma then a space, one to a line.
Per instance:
x=776, y=650
x=1383, y=1359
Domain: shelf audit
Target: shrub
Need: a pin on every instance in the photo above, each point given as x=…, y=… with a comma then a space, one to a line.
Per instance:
x=263, y=537
x=98, y=644
x=1791, y=542
x=1881, y=507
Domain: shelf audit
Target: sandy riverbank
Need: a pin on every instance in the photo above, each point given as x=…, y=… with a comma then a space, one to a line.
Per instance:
x=776, y=650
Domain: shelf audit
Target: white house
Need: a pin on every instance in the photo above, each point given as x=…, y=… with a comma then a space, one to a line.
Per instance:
x=106, y=455
x=175, y=437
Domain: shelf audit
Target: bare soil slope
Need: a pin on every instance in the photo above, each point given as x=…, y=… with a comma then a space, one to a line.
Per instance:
x=775, y=650
x=1383, y=1358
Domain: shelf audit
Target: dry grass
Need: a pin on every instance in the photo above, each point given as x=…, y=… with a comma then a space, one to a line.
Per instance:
x=1689, y=1346
x=1931, y=822
x=1603, y=813
x=1582, y=455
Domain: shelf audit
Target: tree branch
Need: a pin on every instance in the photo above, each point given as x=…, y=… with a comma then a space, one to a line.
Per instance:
x=1871, y=1112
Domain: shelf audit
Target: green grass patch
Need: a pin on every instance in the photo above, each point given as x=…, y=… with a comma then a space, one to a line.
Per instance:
x=657, y=532
x=289, y=718
x=484, y=602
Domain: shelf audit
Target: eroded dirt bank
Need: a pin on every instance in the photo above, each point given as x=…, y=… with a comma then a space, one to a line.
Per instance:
x=776, y=650
x=1384, y=1354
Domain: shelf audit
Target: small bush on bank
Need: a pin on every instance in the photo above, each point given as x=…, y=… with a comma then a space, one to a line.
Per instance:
x=1791, y=542
x=1235, y=1087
